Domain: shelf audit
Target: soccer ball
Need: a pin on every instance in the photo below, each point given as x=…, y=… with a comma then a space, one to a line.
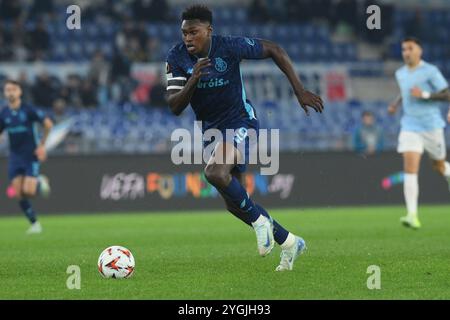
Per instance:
x=116, y=262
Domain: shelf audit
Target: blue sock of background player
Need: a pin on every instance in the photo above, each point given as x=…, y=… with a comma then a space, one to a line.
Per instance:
x=26, y=207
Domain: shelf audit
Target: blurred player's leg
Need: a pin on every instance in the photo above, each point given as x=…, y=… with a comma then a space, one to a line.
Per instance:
x=434, y=144
x=18, y=184
x=29, y=189
x=43, y=187
x=218, y=173
x=411, y=188
x=36, y=183
x=411, y=146
x=30, y=186
x=443, y=167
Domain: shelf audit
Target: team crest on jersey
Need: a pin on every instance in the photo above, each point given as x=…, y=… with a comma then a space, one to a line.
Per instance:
x=221, y=65
x=250, y=41
x=22, y=116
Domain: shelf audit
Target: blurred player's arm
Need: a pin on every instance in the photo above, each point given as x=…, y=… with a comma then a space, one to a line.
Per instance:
x=179, y=99
x=2, y=127
x=41, y=152
x=282, y=60
x=47, y=125
x=437, y=81
x=395, y=104
x=443, y=95
x=441, y=88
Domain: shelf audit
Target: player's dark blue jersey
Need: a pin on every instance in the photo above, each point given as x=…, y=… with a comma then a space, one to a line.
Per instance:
x=220, y=96
x=22, y=131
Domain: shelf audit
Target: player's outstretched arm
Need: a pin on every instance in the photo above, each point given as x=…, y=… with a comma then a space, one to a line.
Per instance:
x=179, y=99
x=282, y=60
x=443, y=95
x=41, y=152
x=395, y=104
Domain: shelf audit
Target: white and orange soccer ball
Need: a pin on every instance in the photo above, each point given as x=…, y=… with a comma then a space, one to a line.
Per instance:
x=116, y=262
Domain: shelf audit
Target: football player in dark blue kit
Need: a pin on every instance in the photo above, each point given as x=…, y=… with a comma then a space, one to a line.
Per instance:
x=19, y=120
x=203, y=71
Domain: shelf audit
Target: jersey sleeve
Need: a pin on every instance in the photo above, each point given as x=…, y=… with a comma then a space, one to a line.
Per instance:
x=176, y=77
x=437, y=80
x=246, y=48
x=36, y=115
x=2, y=125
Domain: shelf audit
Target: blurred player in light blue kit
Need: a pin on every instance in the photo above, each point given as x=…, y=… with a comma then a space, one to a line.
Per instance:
x=26, y=151
x=422, y=87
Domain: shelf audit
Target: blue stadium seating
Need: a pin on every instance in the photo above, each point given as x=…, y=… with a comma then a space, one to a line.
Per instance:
x=305, y=42
x=435, y=46
x=133, y=128
x=147, y=128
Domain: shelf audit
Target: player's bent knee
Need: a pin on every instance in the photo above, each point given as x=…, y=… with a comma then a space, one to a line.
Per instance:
x=19, y=196
x=18, y=193
x=215, y=175
x=439, y=166
x=28, y=193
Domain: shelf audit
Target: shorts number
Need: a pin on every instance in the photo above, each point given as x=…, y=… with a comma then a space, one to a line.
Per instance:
x=240, y=135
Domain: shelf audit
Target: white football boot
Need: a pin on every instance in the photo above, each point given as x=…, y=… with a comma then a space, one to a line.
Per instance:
x=264, y=235
x=289, y=255
x=35, y=228
x=411, y=222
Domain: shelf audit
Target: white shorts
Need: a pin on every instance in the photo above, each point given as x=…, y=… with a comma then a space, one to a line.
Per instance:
x=433, y=142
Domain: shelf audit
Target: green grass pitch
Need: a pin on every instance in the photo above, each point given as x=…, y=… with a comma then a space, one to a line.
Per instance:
x=212, y=255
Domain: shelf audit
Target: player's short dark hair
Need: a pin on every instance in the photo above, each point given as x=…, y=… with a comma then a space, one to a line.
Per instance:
x=197, y=12
x=412, y=39
x=10, y=81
